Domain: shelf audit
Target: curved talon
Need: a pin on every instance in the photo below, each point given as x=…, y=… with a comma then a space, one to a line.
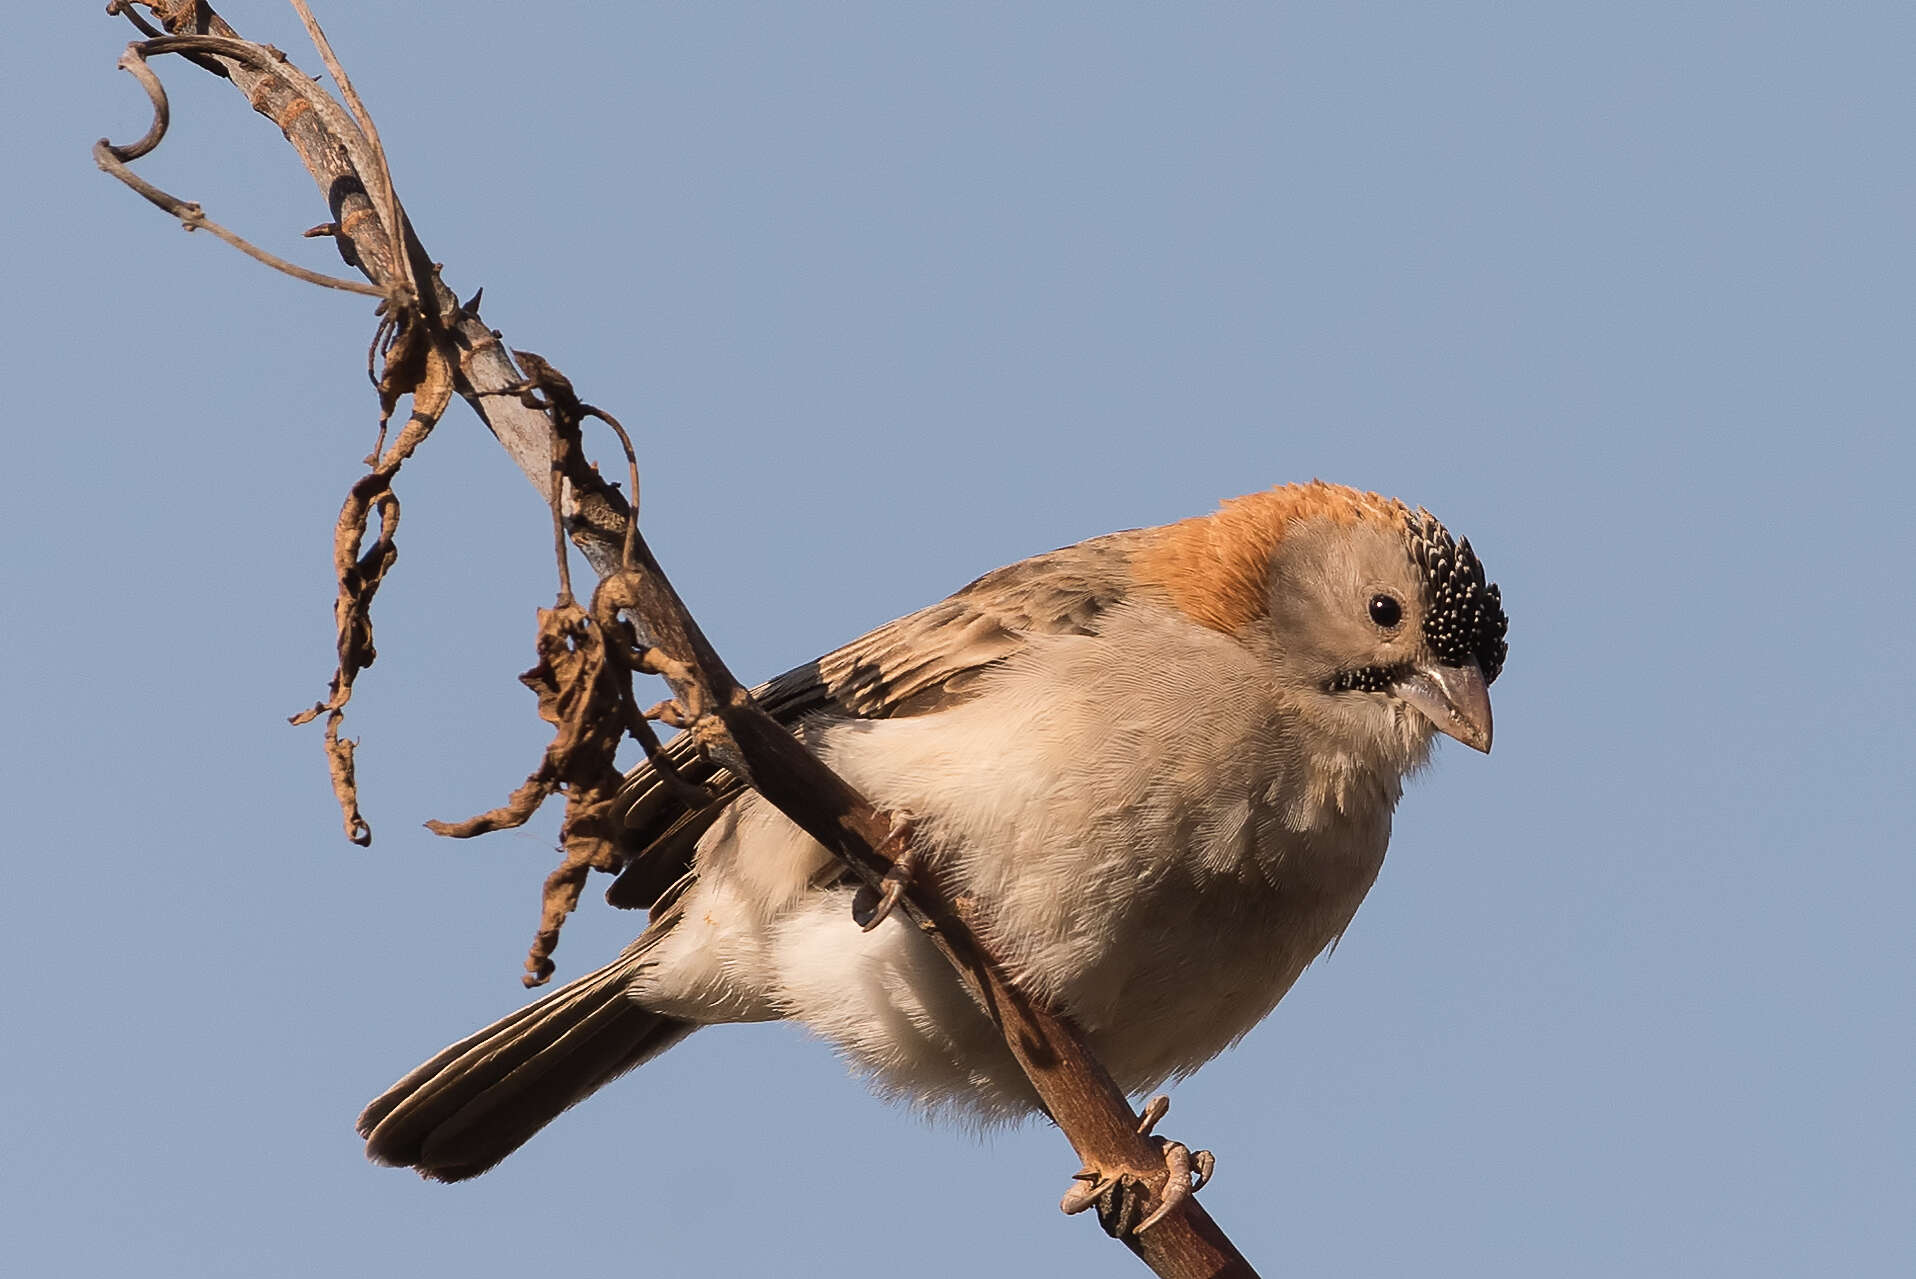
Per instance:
x=872, y=909
x=895, y=882
x=1206, y=1164
x=1177, y=1186
x=1093, y=1187
x=1155, y=1109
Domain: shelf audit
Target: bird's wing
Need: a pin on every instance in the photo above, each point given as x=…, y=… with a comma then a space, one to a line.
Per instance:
x=924, y=662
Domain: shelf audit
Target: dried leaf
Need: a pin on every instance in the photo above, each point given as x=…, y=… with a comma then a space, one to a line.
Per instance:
x=586, y=697
x=421, y=365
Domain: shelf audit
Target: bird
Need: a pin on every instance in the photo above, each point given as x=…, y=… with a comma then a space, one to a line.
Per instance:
x=1163, y=763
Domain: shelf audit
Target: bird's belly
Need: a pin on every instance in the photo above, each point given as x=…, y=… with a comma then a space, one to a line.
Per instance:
x=1158, y=996
x=1188, y=968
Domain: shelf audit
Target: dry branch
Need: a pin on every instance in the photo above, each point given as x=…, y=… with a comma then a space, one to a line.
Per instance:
x=455, y=351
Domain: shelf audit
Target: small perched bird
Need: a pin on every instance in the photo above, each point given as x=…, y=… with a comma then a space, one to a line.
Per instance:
x=1163, y=763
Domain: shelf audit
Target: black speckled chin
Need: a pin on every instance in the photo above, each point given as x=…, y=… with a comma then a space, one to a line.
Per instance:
x=1367, y=679
x=1464, y=613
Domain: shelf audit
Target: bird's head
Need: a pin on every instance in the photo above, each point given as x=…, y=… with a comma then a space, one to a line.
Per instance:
x=1372, y=618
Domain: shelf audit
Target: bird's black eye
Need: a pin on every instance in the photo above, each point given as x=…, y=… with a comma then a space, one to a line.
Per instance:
x=1386, y=611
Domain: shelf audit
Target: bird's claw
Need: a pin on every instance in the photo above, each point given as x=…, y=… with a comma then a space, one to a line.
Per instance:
x=1205, y=1163
x=870, y=908
x=1121, y=1197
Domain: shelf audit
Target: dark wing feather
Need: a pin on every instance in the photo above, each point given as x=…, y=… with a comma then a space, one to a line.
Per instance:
x=924, y=662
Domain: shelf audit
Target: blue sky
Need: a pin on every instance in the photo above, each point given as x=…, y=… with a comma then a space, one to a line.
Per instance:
x=892, y=295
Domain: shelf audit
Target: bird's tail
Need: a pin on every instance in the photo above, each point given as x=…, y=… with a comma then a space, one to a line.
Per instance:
x=481, y=1099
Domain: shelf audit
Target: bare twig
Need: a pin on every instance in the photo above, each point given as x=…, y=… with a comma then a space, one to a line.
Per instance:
x=114, y=159
x=372, y=235
x=380, y=171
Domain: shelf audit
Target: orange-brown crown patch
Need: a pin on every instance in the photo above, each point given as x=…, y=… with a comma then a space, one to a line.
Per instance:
x=1214, y=566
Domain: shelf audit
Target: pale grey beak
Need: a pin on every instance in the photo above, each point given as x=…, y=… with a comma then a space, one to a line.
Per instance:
x=1454, y=698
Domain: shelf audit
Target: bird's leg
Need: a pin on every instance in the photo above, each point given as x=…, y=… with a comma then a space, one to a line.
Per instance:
x=1121, y=1198
x=870, y=908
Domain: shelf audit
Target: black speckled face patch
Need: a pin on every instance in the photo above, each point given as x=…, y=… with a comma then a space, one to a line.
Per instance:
x=1464, y=614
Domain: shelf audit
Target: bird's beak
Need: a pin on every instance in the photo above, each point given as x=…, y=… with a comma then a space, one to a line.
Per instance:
x=1454, y=698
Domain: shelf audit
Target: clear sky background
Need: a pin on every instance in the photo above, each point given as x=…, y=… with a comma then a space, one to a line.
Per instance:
x=893, y=295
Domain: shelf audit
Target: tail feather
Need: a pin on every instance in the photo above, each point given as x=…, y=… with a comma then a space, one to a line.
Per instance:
x=480, y=1099
x=505, y=1115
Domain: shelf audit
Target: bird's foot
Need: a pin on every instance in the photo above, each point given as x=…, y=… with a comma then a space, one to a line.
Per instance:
x=871, y=907
x=1121, y=1198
